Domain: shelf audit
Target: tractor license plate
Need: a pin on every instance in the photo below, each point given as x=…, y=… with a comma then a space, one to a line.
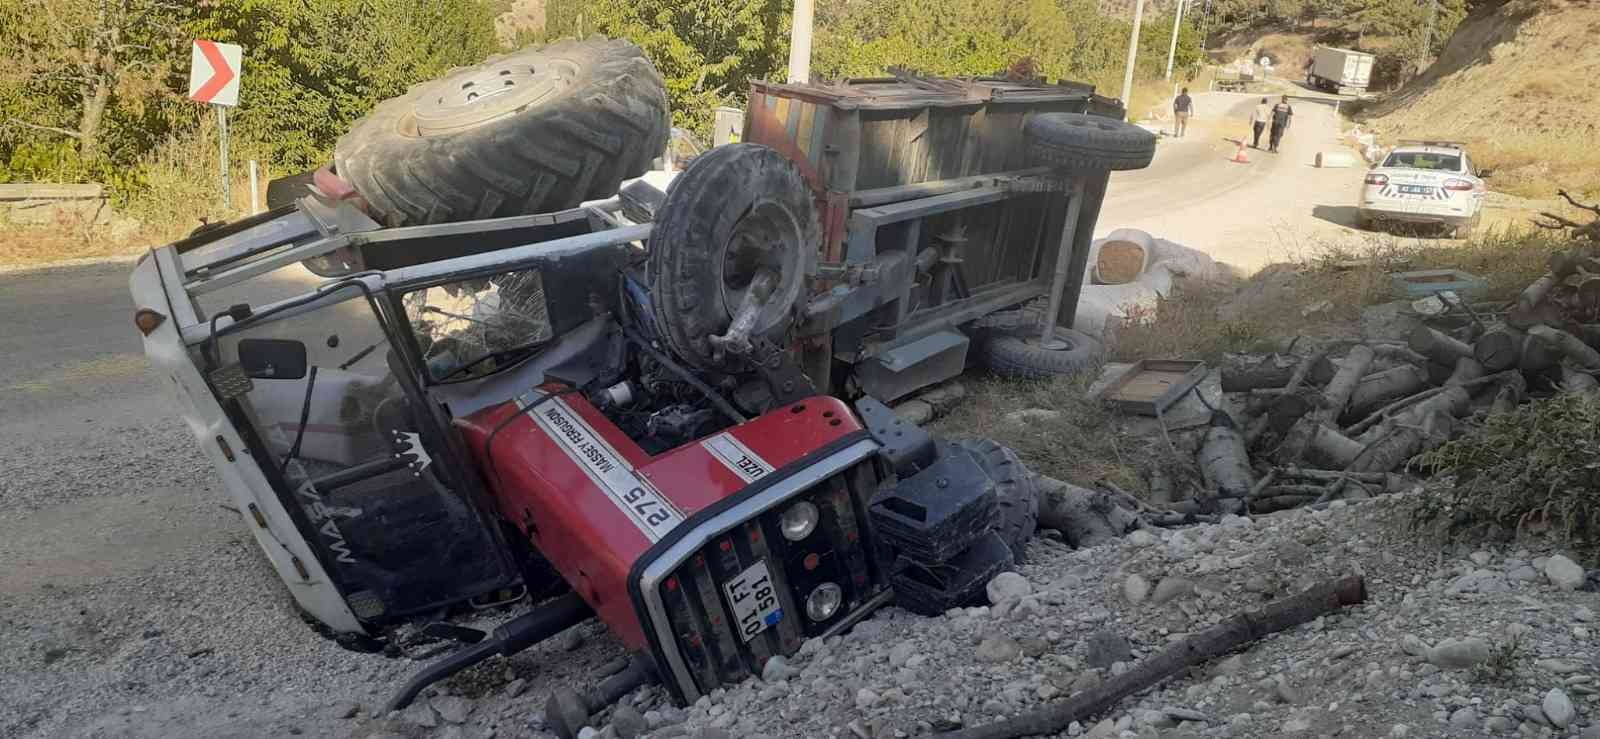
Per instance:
x=1415, y=190
x=753, y=600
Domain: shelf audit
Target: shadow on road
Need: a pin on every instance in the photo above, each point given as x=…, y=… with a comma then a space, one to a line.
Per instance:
x=1339, y=215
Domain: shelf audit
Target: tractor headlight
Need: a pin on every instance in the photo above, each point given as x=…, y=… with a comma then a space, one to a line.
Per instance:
x=799, y=521
x=824, y=601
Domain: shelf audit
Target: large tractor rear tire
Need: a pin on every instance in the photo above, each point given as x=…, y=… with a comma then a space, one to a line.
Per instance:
x=534, y=131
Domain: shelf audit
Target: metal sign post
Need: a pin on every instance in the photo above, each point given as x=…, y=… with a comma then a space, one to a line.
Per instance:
x=214, y=79
x=222, y=151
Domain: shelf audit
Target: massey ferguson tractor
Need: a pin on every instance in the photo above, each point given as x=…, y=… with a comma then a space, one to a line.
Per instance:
x=474, y=365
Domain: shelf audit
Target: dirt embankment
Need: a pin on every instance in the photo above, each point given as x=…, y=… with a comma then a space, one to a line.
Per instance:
x=1515, y=83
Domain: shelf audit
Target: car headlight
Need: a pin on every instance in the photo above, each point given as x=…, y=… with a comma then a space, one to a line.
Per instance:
x=824, y=601
x=799, y=521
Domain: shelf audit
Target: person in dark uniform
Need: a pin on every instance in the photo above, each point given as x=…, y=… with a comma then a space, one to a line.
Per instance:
x=1282, y=113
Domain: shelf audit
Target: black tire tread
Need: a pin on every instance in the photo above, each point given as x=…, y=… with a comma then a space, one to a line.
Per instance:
x=1015, y=491
x=1082, y=141
x=704, y=203
x=1008, y=354
x=608, y=127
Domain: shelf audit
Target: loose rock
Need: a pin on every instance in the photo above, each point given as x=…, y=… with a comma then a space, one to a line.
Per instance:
x=1008, y=586
x=1558, y=708
x=1563, y=572
x=1458, y=654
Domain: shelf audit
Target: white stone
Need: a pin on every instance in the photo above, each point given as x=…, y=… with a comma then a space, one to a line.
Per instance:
x=1140, y=538
x=1135, y=589
x=1558, y=708
x=1458, y=654
x=1563, y=573
x=1008, y=586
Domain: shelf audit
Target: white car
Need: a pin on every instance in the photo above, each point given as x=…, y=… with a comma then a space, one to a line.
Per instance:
x=1424, y=182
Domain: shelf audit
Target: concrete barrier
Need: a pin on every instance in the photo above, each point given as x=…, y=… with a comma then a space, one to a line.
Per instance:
x=1335, y=159
x=41, y=204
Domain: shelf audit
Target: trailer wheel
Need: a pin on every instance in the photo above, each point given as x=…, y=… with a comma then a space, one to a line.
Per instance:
x=1081, y=141
x=735, y=211
x=1018, y=355
x=1014, y=491
x=533, y=131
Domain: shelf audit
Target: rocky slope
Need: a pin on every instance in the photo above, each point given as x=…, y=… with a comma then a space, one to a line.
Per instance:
x=1450, y=643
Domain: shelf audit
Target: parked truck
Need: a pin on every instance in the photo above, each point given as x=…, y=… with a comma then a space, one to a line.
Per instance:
x=1340, y=71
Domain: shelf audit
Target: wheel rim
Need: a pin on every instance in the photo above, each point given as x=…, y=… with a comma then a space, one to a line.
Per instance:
x=767, y=237
x=1057, y=343
x=488, y=91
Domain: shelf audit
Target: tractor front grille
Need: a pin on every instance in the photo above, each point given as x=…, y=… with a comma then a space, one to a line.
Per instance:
x=837, y=551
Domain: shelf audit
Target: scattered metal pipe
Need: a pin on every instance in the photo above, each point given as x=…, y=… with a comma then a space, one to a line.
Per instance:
x=507, y=639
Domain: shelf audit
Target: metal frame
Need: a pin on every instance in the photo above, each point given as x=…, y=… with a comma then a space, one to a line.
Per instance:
x=702, y=534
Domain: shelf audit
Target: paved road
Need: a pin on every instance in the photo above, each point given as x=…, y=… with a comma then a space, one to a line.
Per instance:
x=1247, y=215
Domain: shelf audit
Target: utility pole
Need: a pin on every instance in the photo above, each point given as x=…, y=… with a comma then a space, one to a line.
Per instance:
x=800, y=41
x=1133, y=55
x=1172, y=49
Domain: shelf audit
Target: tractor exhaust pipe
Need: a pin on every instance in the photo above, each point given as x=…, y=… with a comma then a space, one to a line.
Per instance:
x=507, y=639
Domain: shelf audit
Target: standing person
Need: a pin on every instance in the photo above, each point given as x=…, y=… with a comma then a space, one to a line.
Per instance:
x=1282, y=113
x=1182, y=105
x=1258, y=121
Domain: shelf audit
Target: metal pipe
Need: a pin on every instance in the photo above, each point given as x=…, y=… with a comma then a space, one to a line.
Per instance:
x=882, y=195
x=1069, y=228
x=507, y=639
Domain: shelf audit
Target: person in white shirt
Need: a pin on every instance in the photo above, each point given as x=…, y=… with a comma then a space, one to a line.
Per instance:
x=1258, y=121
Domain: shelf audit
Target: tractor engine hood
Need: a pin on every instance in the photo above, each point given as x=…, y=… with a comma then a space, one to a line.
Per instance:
x=669, y=550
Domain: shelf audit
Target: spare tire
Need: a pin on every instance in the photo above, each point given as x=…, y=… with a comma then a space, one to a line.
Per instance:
x=1014, y=490
x=1092, y=142
x=736, y=210
x=533, y=131
x=1019, y=355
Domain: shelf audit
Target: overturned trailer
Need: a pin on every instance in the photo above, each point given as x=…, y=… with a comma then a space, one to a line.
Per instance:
x=660, y=402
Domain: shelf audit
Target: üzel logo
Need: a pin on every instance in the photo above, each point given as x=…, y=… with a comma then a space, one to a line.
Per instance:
x=737, y=457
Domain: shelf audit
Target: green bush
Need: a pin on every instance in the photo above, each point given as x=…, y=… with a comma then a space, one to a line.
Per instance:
x=1534, y=468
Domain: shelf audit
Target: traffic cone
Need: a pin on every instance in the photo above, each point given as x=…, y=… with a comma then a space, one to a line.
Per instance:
x=1241, y=156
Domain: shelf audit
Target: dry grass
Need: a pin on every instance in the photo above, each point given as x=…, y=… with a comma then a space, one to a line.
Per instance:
x=22, y=246
x=1274, y=306
x=179, y=186
x=1082, y=444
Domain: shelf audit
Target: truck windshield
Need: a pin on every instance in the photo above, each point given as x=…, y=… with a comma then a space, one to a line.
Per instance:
x=470, y=328
x=1424, y=160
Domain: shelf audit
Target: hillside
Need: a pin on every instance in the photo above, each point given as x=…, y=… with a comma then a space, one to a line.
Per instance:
x=1515, y=82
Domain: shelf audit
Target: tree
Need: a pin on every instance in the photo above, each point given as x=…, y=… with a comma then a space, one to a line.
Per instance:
x=73, y=64
x=708, y=51
x=312, y=69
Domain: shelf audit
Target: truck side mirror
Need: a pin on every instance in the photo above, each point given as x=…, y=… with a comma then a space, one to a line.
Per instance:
x=273, y=359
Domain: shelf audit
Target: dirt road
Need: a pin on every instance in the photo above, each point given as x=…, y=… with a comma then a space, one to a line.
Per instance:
x=1247, y=215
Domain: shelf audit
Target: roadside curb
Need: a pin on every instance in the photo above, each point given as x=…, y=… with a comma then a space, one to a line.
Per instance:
x=13, y=269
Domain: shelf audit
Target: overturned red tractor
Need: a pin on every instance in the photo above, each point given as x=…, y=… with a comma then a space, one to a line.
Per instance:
x=662, y=408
